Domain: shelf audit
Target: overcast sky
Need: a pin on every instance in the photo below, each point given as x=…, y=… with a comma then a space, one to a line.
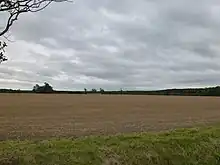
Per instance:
x=113, y=44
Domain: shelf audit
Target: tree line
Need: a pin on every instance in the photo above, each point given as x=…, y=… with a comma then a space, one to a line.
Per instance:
x=47, y=88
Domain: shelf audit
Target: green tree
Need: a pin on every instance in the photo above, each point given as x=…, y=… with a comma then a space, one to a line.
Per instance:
x=94, y=90
x=85, y=90
x=46, y=88
x=102, y=91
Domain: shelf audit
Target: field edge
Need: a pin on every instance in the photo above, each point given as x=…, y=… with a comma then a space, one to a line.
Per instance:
x=198, y=145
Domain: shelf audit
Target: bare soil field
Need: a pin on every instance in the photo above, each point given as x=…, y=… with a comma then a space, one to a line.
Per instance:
x=43, y=116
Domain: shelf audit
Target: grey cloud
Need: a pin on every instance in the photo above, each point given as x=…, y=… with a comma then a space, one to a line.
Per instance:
x=117, y=44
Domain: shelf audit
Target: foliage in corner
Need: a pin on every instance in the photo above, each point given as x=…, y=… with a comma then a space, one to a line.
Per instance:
x=3, y=45
x=13, y=9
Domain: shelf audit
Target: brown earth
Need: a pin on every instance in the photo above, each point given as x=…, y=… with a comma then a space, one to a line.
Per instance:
x=42, y=116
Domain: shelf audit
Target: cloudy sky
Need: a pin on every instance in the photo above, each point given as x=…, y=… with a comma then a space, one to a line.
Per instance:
x=113, y=44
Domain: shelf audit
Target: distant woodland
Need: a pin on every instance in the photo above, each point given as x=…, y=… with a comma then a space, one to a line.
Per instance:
x=47, y=88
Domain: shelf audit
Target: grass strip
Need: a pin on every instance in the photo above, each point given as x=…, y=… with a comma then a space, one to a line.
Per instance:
x=193, y=146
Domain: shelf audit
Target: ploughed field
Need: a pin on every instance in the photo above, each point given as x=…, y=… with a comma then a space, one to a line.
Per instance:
x=58, y=115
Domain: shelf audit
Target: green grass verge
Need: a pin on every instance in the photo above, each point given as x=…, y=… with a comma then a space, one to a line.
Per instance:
x=197, y=146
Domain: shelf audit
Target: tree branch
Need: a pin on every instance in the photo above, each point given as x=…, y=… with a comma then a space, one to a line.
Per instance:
x=16, y=7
